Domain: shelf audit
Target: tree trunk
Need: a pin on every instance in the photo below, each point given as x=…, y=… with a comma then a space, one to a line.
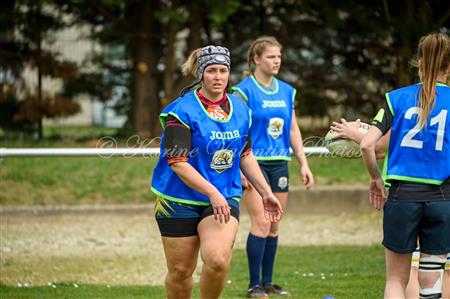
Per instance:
x=405, y=52
x=196, y=16
x=173, y=83
x=195, y=25
x=146, y=105
x=39, y=73
x=170, y=90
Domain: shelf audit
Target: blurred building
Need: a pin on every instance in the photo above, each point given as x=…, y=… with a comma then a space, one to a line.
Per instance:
x=74, y=45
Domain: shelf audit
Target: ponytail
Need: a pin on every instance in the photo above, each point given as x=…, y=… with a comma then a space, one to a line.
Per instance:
x=434, y=59
x=190, y=67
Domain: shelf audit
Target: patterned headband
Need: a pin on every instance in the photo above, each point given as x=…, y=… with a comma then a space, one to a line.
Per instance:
x=212, y=55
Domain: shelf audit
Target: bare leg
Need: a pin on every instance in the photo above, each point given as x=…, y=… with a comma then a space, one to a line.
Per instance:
x=446, y=283
x=397, y=274
x=216, y=245
x=283, y=198
x=260, y=226
x=181, y=256
x=412, y=289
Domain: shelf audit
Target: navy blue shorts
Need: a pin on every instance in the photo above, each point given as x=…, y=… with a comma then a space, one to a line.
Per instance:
x=177, y=219
x=405, y=221
x=276, y=174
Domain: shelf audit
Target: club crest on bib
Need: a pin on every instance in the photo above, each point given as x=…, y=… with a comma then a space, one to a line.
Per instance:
x=222, y=160
x=275, y=128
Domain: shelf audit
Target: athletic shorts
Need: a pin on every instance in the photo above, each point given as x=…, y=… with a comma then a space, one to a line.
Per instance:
x=181, y=220
x=276, y=174
x=405, y=221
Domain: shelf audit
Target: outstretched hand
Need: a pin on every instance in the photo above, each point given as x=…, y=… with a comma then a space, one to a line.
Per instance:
x=344, y=129
x=272, y=207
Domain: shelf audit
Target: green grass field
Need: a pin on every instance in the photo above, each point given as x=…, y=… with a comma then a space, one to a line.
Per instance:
x=78, y=180
x=307, y=272
x=83, y=180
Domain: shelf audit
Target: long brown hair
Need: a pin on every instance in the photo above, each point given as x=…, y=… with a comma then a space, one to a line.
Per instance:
x=434, y=59
x=257, y=48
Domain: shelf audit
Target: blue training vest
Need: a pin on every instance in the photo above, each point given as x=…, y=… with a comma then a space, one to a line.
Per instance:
x=271, y=118
x=419, y=156
x=216, y=147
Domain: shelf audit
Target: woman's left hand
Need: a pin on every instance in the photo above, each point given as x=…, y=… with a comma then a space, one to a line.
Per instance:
x=272, y=207
x=307, y=176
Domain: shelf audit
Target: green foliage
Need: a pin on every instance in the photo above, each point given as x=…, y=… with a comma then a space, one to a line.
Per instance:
x=219, y=11
x=341, y=55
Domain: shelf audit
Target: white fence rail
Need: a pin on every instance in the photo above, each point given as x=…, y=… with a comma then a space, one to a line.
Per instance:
x=105, y=152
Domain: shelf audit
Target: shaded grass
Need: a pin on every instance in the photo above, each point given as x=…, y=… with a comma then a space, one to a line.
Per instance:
x=72, y=180
x=55, y=134
x=332, y=171
x=307, y=272
x=75, y=180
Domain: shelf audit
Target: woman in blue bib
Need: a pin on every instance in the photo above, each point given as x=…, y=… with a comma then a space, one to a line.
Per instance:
x=274, y=131
x=204, y=146
x=417, y=168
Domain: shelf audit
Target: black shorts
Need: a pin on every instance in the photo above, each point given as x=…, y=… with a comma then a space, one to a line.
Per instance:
x=417, y=211
x=405, y=221
x=276, y=174
x=177, y=219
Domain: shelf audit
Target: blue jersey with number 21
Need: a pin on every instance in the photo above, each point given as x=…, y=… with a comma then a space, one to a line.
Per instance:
x=419, y=155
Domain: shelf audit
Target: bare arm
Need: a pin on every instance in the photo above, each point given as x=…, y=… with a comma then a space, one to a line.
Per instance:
x=350, y=131
x=297, y=147
x=368, y=151
x=191, y=177
x=382, y=145
x=252, y=171
x=377, y=193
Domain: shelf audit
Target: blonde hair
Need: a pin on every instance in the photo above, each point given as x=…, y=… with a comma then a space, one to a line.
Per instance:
x=190, y=67
x=257, y=48
x=434, y=59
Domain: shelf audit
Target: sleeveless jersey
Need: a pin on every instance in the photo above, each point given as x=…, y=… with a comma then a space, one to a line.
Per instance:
x=216, y=147
x=419, y=156
x=271, y=118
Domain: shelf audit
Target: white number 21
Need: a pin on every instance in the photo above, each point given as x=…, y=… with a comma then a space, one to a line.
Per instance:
x=439, y=119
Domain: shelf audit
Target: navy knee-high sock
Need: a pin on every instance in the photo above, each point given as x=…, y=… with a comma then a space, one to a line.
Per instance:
x=255, y=253
x=269, y=259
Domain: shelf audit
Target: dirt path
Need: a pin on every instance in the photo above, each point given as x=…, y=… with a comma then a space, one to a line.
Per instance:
x=125, y=248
